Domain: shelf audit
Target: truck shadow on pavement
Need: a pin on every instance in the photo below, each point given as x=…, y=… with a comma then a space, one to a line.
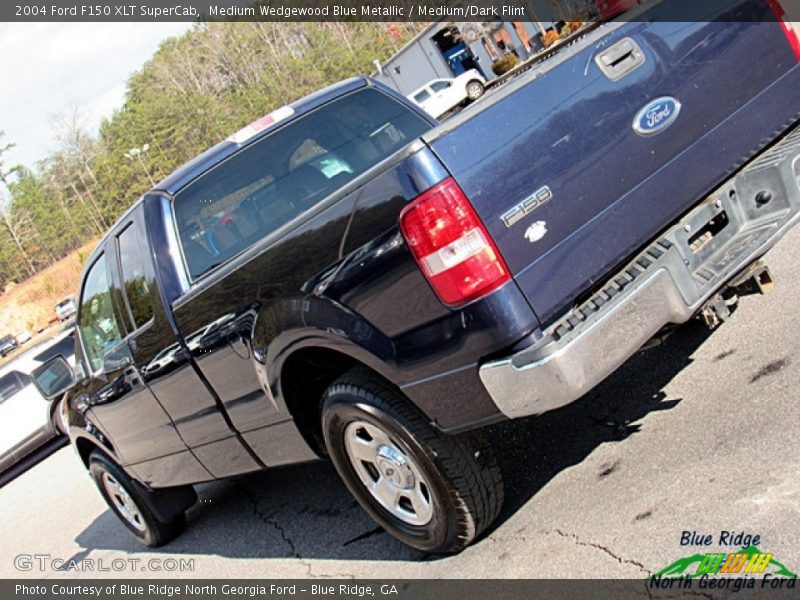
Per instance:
x=306, y=512
x=610, y=413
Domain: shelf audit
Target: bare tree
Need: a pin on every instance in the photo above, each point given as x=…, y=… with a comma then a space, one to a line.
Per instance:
x=4, y=174
x=15, y=225
x=19, y=227
x=55, y=191
x=77, y=149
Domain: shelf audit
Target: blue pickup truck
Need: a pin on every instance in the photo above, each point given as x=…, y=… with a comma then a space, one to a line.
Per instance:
x=348, y=278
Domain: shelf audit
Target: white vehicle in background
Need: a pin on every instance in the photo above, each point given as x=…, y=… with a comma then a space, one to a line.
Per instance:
x=66, y=308
x=27, y=420
x=440, y=96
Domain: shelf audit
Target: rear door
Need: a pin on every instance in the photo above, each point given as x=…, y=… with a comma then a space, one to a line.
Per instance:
x=445, y=95
x=163, y=362
x=578, y=165
x=23, y=411
x=141, y=432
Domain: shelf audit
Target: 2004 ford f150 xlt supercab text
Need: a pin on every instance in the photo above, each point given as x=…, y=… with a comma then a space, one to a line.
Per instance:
x=346, y=277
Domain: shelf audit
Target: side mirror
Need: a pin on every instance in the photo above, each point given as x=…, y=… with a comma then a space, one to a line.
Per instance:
x=54, y=377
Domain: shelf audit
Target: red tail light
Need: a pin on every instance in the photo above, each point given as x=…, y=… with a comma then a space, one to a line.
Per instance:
x=451, y=245
x=790, y=28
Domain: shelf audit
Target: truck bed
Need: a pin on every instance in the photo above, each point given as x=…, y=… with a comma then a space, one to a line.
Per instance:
x=563, y=133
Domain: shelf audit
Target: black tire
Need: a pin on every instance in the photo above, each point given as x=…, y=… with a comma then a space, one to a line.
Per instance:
x=459, y=477
x=147, y=528
x=475, y=90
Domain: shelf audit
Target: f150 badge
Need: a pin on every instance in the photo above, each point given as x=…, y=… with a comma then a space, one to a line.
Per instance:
x=657, y=115
x=539, y=198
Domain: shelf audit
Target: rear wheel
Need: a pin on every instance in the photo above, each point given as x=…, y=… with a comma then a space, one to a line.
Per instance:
x=432, y=491
x=475, y=90
x=128, y=503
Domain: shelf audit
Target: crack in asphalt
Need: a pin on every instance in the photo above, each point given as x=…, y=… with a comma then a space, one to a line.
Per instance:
x=604, y=549
x=269, y=519
x=311, y=575
x=630, y=561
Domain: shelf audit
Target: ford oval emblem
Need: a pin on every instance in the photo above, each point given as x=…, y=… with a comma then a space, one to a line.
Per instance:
x=657, y=115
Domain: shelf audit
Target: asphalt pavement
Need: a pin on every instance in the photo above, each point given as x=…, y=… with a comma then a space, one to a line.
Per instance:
x=697, y=435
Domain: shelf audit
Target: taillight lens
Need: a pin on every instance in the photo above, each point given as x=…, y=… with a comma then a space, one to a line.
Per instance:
x=451, y=245
x=790, y=27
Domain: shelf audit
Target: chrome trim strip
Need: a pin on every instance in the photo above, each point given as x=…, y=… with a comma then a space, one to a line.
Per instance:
x=175, y=248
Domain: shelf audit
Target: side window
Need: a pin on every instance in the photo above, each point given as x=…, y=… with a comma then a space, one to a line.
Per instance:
x=65, y=347
x=438, y=86
x=96, y=322
x=272, y=181
x=12, y=383
x=422, y=96
x=135, y=275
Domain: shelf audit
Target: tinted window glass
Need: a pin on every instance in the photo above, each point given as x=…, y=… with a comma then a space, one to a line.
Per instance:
x=96, y=321
x=11, y=383
x=65, y=347
x=422, y=96
x=438, y=86
x=135, y=275
x=271, y=182
x=55, y=378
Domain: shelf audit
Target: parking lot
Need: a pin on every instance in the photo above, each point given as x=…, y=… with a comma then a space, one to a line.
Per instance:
x=696, y=435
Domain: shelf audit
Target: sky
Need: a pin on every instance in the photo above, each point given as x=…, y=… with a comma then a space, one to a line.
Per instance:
x=53, y=68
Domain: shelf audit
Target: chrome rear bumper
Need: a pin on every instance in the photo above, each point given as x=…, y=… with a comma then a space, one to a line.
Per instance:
x=667, y=283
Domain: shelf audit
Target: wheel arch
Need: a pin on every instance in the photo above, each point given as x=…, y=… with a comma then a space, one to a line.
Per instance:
x=85, y=445
x=305, y=375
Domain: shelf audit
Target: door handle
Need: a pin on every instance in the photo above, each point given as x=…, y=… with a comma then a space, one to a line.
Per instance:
x=620, y=59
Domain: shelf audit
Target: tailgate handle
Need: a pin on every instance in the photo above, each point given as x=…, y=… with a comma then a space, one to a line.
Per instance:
x=619, y=60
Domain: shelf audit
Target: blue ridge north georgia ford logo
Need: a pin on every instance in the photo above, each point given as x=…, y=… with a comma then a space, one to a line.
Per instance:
x=657, y=115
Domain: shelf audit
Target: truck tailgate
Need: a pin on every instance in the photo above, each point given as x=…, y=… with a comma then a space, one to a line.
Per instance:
x=594, y=189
